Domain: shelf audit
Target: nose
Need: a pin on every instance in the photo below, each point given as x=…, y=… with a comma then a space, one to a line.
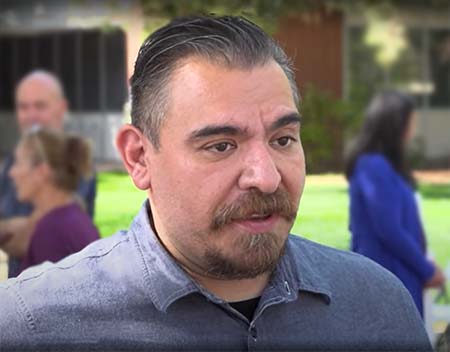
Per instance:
x=260, y=171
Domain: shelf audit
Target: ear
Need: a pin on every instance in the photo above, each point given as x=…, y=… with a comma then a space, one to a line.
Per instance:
x=42, y=171
x=62, y=110
x=131, y=144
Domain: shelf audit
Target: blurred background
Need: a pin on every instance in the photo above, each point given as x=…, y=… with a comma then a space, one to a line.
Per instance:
x=344, y=52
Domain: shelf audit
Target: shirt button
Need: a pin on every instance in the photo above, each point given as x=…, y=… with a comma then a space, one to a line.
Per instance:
x=253, y=333
x=287, y=288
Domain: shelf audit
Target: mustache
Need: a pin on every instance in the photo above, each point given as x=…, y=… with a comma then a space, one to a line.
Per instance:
x=255, y=202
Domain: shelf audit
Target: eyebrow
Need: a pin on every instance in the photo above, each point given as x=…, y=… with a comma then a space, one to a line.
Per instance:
x=230, y=130
x=293, y=118
x=208, y=131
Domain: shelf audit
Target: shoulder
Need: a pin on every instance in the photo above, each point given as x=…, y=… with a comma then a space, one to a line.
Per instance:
x=97, y=255
x=362, y=293
x=375, y=172
x=373, y=162
x=319, y=255
x=42, y=291
x=71, y=216
x=348, y=273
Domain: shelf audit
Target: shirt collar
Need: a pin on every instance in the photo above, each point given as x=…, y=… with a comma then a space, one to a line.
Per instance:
x=167, y=282
x=299, y=268
x=165, y=279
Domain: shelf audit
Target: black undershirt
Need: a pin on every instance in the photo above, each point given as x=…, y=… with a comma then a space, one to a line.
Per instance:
x=246, y=308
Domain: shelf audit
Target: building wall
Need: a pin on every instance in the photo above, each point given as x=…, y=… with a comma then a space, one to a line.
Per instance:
x=100, y=130
x=434, y=129
x=8, y=133
x=314, y=41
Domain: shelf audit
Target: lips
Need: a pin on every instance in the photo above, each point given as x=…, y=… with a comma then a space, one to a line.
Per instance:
x=257, y=223
x=258, y=217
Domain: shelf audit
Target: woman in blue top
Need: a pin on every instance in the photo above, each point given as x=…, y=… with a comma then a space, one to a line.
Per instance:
x=384, y=217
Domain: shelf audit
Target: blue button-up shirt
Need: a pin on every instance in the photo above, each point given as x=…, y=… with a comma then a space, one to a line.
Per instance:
x=127, y=292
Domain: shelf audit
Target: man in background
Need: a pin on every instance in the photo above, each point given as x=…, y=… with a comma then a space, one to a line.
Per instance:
x=39, y=101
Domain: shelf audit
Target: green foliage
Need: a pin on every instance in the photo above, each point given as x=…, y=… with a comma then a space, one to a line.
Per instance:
x=267, y=12
x=259, y=8
x=326, y=124
x=259, y=11
x=275, y=8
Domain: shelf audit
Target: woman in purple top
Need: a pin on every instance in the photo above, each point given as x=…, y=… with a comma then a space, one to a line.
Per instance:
x=47, y=170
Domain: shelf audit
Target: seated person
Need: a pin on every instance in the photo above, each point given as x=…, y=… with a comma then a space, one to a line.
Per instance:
x=47, y=170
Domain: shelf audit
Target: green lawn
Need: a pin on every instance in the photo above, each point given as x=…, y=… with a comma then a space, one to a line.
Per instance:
x=323, y=214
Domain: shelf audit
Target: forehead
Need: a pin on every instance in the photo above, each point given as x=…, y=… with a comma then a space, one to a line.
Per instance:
x=201, y=92
x=36, y=90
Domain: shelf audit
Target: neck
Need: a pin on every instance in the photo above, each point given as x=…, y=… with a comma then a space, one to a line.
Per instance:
x=49, y=198
x=228, y=290
x=233, y=290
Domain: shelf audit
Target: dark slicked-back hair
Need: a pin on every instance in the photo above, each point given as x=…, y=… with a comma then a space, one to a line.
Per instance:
x=383, y=131
x=233, y=42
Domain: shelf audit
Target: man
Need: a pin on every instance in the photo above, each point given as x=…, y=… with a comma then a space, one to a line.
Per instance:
x=40, y=101
x=208, y=263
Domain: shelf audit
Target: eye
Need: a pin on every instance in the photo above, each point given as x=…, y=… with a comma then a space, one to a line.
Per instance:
x=283, y=142
x=221, y=147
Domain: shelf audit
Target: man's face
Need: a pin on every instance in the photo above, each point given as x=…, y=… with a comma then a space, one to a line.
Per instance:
x=227, y=179
x=38, y=102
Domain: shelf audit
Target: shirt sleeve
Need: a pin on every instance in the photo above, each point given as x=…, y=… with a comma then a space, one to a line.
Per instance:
x=13, y=320
x=381, y=195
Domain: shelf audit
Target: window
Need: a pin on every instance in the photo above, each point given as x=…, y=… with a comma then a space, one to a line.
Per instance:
x=90, y=63
x=439, y=57
x=422, y=69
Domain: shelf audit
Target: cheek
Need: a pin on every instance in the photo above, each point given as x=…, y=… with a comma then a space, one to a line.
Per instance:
x=17, y=174
x=21, y=184
x=24, y=175
x=293, y=173
x=186, y=196
x=23, y=179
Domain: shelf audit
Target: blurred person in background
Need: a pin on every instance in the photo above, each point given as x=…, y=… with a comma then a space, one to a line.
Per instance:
x=47, y=169
x=39, y=101
x=384, y=217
